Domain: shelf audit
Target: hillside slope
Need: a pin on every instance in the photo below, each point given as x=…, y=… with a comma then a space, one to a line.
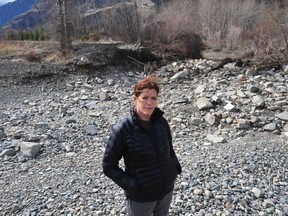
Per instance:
x=13, y=9
x=38, y=12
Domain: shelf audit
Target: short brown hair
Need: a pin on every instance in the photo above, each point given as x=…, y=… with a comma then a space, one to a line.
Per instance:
x=149, y=82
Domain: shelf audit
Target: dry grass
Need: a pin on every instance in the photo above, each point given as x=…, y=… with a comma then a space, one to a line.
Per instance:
x=9, y=48
x=57, y=57
x=44, y=51
x=53, y=57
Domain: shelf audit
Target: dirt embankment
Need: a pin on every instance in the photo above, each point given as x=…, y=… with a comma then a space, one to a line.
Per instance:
x=30, y=68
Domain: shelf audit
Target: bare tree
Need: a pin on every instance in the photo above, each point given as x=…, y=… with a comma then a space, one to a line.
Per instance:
x=65, y=27
x=128, y=21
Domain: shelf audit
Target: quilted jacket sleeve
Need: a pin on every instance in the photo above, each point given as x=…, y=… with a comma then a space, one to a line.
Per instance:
x=172, y=152
x=114, y=151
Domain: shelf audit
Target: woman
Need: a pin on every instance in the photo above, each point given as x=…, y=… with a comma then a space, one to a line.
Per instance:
x=144, y=140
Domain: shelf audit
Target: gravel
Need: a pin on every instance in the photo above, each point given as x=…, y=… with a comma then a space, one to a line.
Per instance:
x=247, y=174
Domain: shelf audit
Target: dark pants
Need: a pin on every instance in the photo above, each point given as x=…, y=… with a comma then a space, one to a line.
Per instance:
x=155, y=208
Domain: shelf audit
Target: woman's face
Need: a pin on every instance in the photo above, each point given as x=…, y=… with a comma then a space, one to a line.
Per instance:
x=145, y=103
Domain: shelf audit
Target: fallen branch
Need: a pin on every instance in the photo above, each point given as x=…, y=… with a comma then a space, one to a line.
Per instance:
x=139, y=62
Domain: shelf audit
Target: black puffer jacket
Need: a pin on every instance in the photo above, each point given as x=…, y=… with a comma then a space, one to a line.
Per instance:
x=151, y=165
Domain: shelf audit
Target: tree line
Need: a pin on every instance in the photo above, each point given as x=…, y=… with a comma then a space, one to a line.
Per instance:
x=259, y=27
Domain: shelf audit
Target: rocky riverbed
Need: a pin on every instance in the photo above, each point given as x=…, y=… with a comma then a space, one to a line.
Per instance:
x=229, y=130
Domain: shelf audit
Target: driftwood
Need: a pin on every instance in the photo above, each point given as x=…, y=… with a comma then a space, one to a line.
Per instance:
x=256, y=66
x=138, y=62
x=268, y=66
x=97, y=56
x=141, y=56
x=222, y=63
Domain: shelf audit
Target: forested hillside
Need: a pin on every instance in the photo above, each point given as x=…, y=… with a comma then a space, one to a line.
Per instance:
x=257, y=28
x=12, y=9
x=33, y=13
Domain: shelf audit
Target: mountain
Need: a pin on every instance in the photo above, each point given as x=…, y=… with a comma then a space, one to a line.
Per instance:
x=27, y=14
x=12, y=9
x=2, y=2
x=38, y=12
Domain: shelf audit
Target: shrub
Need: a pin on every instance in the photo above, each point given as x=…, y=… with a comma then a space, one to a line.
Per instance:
x=269, y=41
x=174, y=30
x=83, y=38
x=93, y=36
x=188, y=45
x=32, y=56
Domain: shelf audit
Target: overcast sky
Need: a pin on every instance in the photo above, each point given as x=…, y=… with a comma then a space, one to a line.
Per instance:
x=2, y=2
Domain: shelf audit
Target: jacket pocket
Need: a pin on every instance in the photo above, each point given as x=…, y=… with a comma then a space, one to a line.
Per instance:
x=169, y=170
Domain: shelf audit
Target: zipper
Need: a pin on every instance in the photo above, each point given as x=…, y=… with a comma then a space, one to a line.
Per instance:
x=157, y=155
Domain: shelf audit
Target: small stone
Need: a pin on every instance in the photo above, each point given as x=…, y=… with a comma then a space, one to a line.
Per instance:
x=30, y=149
x=8, y=152
x=257, y=192
x=103, y=96
x=204, y=103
